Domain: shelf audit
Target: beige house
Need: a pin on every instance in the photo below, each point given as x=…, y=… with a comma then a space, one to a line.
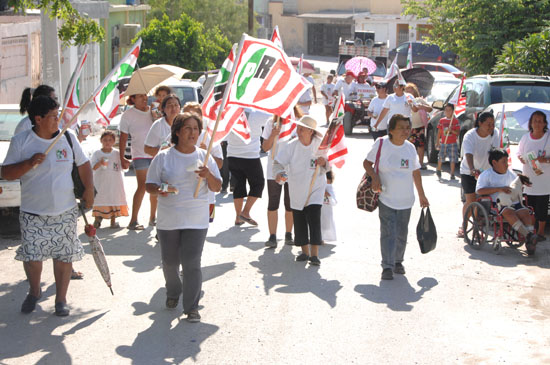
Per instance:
x=314, y=27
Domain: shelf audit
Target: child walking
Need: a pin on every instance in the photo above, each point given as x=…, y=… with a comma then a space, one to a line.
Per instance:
x=110, y=201
x=447, y=132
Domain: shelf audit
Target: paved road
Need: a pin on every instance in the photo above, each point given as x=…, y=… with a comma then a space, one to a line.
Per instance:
x=455, y=305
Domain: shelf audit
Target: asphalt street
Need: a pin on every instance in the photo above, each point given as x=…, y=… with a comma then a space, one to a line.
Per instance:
x=259, y=306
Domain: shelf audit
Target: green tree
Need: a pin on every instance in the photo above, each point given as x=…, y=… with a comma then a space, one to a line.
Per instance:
x=476, y=30
x=526, y=56
x=75, y=28
x=230, y=16
x=182, y=42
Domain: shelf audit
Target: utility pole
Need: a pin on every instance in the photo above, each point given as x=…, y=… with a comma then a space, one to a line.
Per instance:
x=251, y=17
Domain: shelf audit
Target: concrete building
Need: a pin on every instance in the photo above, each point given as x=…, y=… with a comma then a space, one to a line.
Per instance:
x=315, y=27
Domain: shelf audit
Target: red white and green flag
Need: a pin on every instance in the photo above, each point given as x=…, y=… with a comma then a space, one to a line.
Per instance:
x=265, y=79
x=333, y=146
x=288, y=126
x=409, y=57
x=233, y=117
x=276, y=37
x=339, y=110
x=107, y=95
x=71, y=101
x=459, y=100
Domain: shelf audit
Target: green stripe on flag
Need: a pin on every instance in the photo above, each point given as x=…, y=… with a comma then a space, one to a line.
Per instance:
x=125, y=70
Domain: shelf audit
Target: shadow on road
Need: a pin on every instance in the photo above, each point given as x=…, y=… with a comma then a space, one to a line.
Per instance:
x=237, y=236
x=511, y=257
x=397, y=294
x=279, y=269
x=169, y=339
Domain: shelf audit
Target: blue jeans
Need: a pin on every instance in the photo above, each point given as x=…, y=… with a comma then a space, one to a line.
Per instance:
x=394, y=226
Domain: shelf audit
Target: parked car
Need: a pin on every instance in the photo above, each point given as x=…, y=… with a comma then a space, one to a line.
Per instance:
x=421, y=52
x=10, y=191
x=186, y=90
x=485, y=90
x=443, y=86
x=439, y=67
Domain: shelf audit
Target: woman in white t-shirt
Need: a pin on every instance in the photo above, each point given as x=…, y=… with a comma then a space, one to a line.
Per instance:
x=300, y=162
x=158, y=137
x=136, y=122
x=48, y=212
x=476, y=144
x=26, y=97
x=183, y=219
x=399, y=102
x=379, y=127
x=538, y=193
x=398, y=169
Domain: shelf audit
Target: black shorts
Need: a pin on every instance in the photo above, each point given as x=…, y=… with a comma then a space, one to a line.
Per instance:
x=274, y=190
x=307, y=225
x=243, y=169
x=468, y=183
x=539, y=203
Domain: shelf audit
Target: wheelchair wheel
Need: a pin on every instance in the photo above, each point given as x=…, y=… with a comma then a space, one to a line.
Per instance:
x=476, y=225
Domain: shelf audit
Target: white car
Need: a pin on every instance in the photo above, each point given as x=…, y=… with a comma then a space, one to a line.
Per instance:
x=186, y=90
x=443, y=86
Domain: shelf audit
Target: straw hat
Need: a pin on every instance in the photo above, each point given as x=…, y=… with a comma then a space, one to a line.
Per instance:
x=308, y=122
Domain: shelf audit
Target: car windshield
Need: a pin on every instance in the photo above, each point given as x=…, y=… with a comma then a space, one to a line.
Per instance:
x=515, y=131
x=520, y=92
x=8, y=122
x=442, y=89
x=185, y=93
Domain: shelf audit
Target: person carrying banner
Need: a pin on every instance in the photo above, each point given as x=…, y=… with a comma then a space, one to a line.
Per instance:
x=136, y=122
x=298, y=163
x=48, y=213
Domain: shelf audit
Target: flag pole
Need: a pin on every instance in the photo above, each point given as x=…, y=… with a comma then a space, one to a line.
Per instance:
x=274, y=147
x=220, y=110
x=314, y=177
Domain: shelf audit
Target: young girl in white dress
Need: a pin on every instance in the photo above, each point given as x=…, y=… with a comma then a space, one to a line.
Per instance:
x=110, y=201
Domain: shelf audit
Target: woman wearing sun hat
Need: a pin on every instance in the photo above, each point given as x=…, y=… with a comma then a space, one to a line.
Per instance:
x=298, y=160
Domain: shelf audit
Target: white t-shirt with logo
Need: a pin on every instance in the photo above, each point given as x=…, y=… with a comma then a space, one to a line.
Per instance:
x=398, y=105
x=363, y=91
x=541, y=147
x=137, y=124
x=280, y=144
x=328, y=89
x=47, y=189
x=182, y=210
x=159, y=132
x=343, y=86
x=492, y=179
x=299, y=163
x=376, y=105
x=236, y=146
x=479, y=148
x=396, y=166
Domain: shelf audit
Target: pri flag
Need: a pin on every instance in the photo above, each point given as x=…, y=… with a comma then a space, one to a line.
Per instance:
x=276, y=37
x=391, y=70
x=339, y=110
x=265, y=79
x=333, y=146
x=72, y=102
x=108, y=95
x=232, y=116
x=288, y=126
x=410, y=57
x=459, y=100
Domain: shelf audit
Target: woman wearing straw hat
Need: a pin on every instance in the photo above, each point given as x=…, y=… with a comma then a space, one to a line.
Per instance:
x=298, y=159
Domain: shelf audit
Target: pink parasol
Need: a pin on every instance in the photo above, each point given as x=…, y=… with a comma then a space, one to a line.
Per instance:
x=357, y=64
x=97, y=251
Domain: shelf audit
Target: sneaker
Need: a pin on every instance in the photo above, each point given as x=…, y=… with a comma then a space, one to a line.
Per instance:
x=61, y=309
x=302, y=257
x=399, y=268
x=531, y=244
x=288, y=239
x=438, y=173
x=172, y=303
x=314, y=260
x=271, y=242
x=29, y=304
x=193, y=316
x=387, y=274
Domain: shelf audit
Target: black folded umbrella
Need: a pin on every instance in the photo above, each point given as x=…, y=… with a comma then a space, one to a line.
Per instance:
x=422, y=78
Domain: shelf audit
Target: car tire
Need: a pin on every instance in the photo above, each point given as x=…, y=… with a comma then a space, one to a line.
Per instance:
x=431, y=151
x=348, y=124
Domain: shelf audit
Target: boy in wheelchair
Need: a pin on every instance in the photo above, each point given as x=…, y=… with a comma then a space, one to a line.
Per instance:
x=498, y=181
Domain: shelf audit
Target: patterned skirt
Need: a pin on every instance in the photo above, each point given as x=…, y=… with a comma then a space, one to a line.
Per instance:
x=110, y=211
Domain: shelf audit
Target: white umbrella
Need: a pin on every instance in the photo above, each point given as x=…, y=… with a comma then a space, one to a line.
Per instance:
x=146, y=78
x=522, y=115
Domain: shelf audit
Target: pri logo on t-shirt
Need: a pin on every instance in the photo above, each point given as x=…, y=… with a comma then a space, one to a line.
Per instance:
x=312, y=163
x=61, y=155
x=404, y=164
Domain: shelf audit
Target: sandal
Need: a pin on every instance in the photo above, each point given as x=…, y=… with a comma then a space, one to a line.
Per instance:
x=248, y=220
x=97, y=222
x=135, y=226
x=77, y=275
x=239, y=223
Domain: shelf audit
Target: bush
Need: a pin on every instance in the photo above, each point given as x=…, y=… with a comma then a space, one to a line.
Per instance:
x=526, y=56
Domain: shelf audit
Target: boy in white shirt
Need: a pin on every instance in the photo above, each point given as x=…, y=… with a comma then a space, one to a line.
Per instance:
x=497, y=179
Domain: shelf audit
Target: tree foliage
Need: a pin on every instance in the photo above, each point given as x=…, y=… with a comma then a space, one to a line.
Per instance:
x=229, y=16
x=182, y=42
x=476, y=30
x=526, y=56
x=75, y=28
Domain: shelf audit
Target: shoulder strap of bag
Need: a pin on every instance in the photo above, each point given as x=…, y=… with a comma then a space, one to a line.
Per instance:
x=377, y=162
x=68, y=136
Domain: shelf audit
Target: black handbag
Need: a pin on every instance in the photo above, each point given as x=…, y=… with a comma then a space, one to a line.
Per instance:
x=78, y=185
x=426, y=232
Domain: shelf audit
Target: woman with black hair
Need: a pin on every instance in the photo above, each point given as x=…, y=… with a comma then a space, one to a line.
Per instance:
x=538, y=193
x=26, y=97
x=476, y=144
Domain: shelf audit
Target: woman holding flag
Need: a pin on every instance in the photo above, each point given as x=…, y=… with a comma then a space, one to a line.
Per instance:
x=300, y=162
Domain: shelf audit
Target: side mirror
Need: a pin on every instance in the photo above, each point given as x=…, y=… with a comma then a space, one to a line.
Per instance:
x=438, y=104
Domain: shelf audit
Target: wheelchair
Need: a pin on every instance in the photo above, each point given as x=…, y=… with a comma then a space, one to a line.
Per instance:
x=483, y=222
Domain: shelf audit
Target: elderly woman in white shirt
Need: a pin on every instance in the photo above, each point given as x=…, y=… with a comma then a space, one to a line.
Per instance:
x=398, y=169
x=183, y=219
x=298, y=159
x=48, y=207
x=159, y=135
